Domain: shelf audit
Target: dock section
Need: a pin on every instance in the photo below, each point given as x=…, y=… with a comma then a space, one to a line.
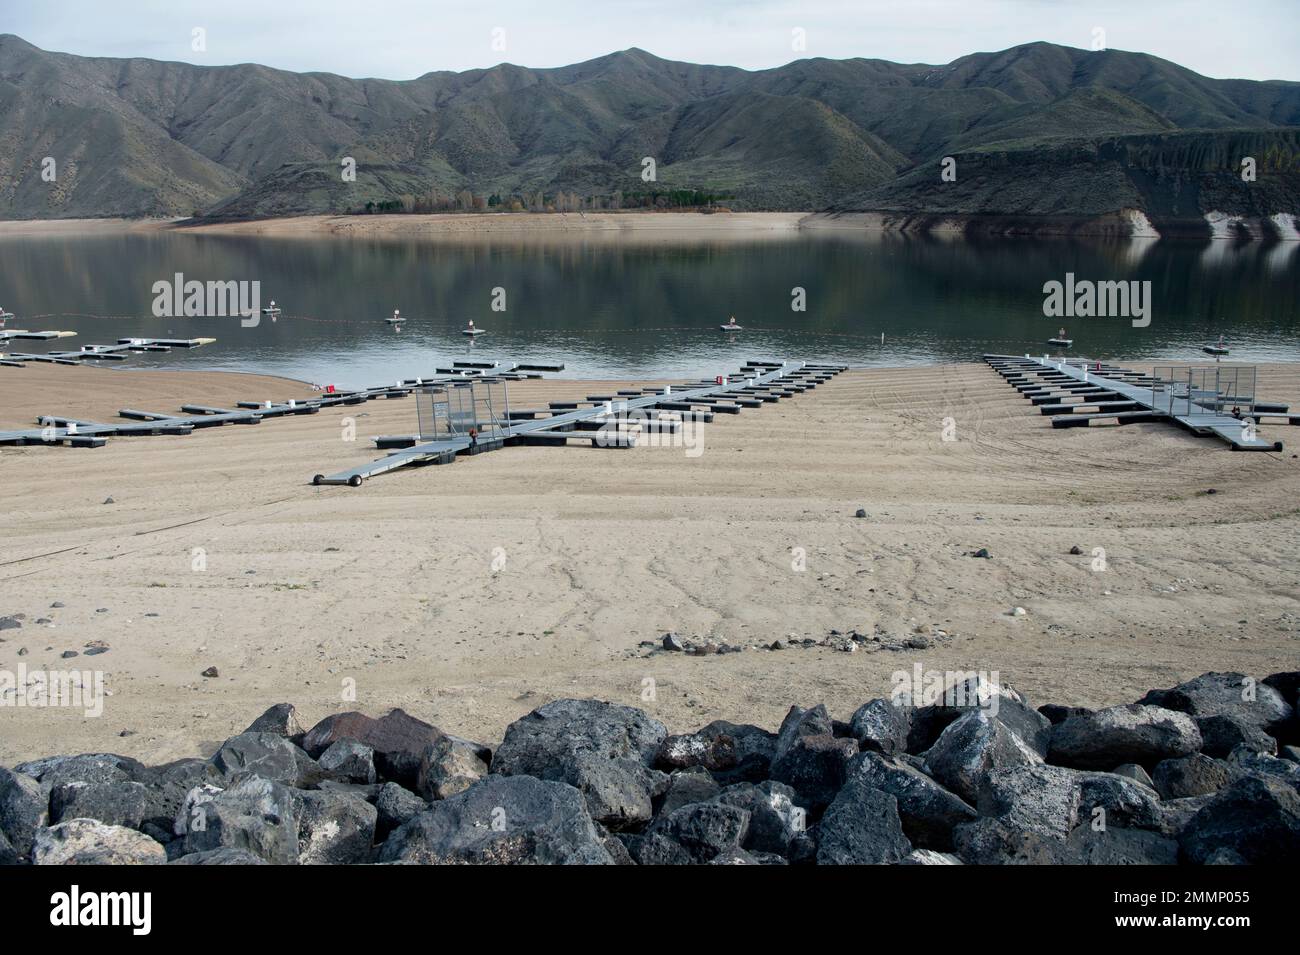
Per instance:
x=1213, y=400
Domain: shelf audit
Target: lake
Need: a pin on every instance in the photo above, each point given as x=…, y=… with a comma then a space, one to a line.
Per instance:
x=618, y=308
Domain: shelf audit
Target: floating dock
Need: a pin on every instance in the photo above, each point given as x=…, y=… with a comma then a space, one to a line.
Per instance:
x=118, y=352
x=1079, y=393
x=604, y=423
x=73, y=432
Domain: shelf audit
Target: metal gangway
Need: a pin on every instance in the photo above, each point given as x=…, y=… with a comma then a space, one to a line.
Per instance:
x=1217, y=400
x=605, y=422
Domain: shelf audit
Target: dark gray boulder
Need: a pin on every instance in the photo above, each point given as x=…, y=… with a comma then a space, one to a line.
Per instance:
x=1123, y=734
x=700, y=831
x=1034, y=798
x=115, y=803
x=1226, y=694
x=861, y=827
x=262, y=754
x=255, y=813
x=82, y=768
x=348, y=761
x=395, y=806
x=448, y=767
x=732, y=752
x=777, y=825
x=1257, y=818
x=602, y=749
x=1134, y=772
x=166, y=787
x=1115, y=845
x=686, y=786
x=1242, y=761
x=995, y=842
x=1223, y=733
x=279, y=720
x=802, y=721
x=1119, y=801
x=882, y=726
x=1056, y=713
x=927, y=723
x=333, y=828
x=8, y=855
x=970, y=748
x=89, y=842
x=225, y=856
x=23, y=807
x=397, y=739
x=512, y=820
x=1287, y=684
x=975, y=692
x=816, y=768
x=653, y=848
x=928, y=811
x=1031, y=726
x=810, y=758
x=1176, y=814
x=1194, y=775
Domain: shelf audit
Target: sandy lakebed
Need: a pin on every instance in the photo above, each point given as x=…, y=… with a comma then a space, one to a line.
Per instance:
x=304, y=592
x=460, y=227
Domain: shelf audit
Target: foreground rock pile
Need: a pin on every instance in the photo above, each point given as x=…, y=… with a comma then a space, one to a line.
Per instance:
x=1204, y=773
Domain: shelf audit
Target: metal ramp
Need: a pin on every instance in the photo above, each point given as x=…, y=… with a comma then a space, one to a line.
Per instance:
x=610, y=422
x=120, y=351
x=1077, y=392
x=71, y=432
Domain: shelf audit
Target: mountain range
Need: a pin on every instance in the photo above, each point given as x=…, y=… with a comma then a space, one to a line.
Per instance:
x=1035, y=130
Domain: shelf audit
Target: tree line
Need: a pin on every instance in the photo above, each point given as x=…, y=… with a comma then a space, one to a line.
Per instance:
x=467, y=201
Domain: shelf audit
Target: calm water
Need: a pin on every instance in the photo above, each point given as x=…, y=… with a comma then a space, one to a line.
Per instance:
x=615, y=309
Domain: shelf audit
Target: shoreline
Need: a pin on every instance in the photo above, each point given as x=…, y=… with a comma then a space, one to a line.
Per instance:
x=643, y=226
x=391, y=585
x=668, y=226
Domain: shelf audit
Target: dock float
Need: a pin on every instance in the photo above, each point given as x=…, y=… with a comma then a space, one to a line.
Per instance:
x=59, y=430
x=1078, y=393
x=612, y=424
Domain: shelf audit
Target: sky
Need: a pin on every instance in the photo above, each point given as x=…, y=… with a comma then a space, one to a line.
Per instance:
x=401, y=39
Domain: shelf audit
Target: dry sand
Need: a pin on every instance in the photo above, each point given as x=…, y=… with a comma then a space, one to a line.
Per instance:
x=627, y=225
x=667, y=226
x=391, y=585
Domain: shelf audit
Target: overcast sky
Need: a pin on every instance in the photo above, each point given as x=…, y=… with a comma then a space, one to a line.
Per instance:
x=400, y=39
